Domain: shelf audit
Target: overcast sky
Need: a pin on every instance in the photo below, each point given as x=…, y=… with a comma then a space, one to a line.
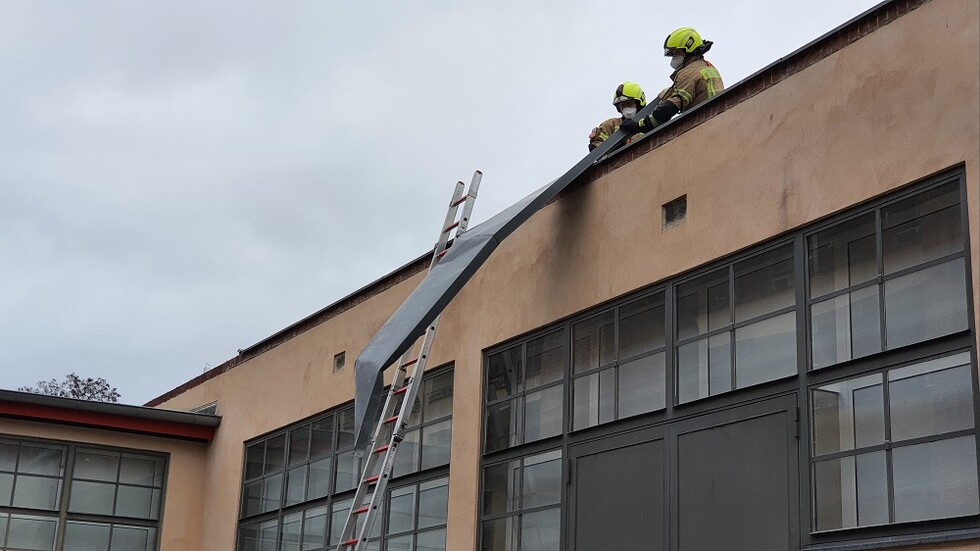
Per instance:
x=180, y=179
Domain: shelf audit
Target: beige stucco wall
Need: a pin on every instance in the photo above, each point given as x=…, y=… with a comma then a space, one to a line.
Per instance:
x=891, y=108
x=182, y=524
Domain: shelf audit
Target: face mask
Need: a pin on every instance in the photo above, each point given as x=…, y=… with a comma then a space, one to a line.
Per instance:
x=628, y=112
x=676, y=62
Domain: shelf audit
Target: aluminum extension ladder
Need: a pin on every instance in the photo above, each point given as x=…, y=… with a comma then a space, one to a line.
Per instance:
x=390, y=429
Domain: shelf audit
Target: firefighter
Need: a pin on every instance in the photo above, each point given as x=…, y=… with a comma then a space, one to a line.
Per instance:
x=628, y=100
x=694, y=80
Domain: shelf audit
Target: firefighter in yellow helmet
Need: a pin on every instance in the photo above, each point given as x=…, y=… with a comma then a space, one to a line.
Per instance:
x=628, y=100
x=694, y=79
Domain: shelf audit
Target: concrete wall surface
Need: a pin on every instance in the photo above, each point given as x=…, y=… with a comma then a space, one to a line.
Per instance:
x=885, y=111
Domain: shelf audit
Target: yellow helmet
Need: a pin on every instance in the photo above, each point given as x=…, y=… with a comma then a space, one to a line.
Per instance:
x=629, y=91
x=684, y=39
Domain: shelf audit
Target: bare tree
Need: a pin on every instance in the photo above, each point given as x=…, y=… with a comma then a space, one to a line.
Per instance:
x=73, y=386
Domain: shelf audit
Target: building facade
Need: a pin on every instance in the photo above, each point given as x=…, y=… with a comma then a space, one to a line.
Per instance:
x=754, y=329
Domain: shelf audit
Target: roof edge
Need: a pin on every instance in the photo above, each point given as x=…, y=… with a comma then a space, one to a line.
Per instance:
x=108, y=416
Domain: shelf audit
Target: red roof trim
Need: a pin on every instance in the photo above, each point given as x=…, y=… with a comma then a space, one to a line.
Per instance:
x=107, y=421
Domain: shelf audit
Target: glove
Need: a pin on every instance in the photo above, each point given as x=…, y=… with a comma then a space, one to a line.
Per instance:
x=630, y=126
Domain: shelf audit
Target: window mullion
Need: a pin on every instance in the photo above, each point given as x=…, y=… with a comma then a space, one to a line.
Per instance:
x=889, y=478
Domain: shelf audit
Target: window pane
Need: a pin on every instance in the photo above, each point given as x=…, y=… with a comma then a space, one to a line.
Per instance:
x=268, y=534
x=542, y=483
x=499, y=535
x=438, y=397
x=925, y=304
x=545, y=360
x=146, y=471
x=692, y=371
x=433, y=540
x=34, y=492
x=348, y=472
x=407, y=458
x=503, y=422
x=292, y=526
x=318, y=483
x=92, y=497
x=6, y=491
x=254, y=459
x=931, y=398
x=540, y=530
x=845, y=327
x=338, y=516
x=543, y=413
x=133, y=538
x=765, y=350
x=345, y=429
x=272, y=492
x=86, y=536
x=299, y=446
x=503, y=373
x=593, y=343
x=275, y=453
x=921, y=228
x=436, y=442
x=851, y=491
x=594, y=399
x=8, y=457
x=433, y=503
x=642, y=385
x=96, y=465
x=315, y=528
x=501, y=488
x=843, y=255
x=137, y=502
x=401, y=510
x=321, y=437
x=764, y=283
x=401, y=543
x=703, y=304
x=33, y=533
x=848, y=415
x=641, y=326
x=252, y=498
x=295, y=485
x=936, y=479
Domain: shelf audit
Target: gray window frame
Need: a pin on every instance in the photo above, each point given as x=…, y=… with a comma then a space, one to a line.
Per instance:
x=333, y=496
x=61, y=514
x=798, y=385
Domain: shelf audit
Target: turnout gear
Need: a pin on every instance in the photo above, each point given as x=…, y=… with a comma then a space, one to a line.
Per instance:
x=694, y=83
x=608, y=127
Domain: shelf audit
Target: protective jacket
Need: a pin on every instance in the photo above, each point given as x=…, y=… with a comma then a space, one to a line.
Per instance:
x=602, y=132
x=694, y=83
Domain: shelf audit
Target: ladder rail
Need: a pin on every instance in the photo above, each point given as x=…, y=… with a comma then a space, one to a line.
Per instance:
x=378, y=461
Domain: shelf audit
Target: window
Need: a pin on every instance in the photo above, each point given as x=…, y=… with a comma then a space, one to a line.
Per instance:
x=113, y=498
x=412, y=517
x=618, y=363
x=292, y=478
x=522, y=504
x=875, y=441
x=895, y=446
x=525, y=392
x=724, y=344
x=888, y=278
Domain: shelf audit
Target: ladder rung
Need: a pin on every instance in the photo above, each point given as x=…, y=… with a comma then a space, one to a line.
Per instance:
x=443, y=253
x=351, y=541
x=410, y=362
x=459, y=201
x=373, y=480
x=402, y=390
x=391, y=419
x=451, y=226
x=382, y=449
x=361, y=510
